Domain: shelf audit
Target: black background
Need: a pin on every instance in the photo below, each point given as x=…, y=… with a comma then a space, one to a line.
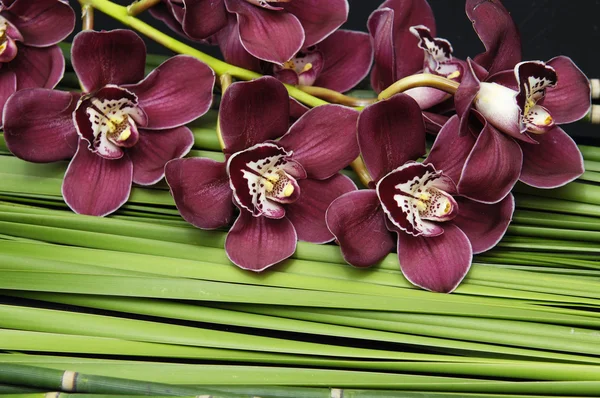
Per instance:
x=548, y=28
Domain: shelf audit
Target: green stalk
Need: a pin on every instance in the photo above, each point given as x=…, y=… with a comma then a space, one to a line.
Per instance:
x=57, y=380
x=120, y=14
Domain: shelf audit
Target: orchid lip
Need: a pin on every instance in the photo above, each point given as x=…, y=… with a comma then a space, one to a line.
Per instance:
x=414, y=198
x=108, y=120
x=263, y=177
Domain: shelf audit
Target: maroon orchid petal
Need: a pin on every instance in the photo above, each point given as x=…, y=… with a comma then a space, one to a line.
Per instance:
x=41, y=23
x=318, y=18
x=466, y=93
x=381, y=30
x=8, y=86
x=505, y=78
x=492, y=168
x=154, y=149
x=308, y=212
x=323, y=140
x=450, y=150
x=253, y=112
x=357, y=221
x=232, y=49
x=297, y=109
x=203, y=18
x=415, y=197
x=201, y=191
x=427, y=97
x=436, y=263
x=108, y=120
x=257, y=25
x=390, y=133
x=8, y=49
x=434, y=122
x=256, y=243
x=409, y=13
x=38, y=67
x=263, y=177
x=497, y=32
x=553, y=162
x=287, y=76
x=114, y=57
x=175, y=93
x=171, y=14
x=96, y=186
x=484, y=224
x=569, y=100
x=39, y=125
x=347, y=57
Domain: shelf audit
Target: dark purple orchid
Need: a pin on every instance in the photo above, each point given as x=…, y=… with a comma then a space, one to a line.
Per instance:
x=29, y=56
x=273, y=31
x=123, y=128
x=437, y=230
x=282, y=188
x=510, y=112
x=397, y=50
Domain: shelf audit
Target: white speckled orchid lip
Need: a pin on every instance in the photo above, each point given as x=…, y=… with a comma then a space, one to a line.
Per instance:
x=263, y=177
x=108, y=120
x=8, y=35
x=415, y=194
x=438, y=52
x=305, y=68
x=533, y=78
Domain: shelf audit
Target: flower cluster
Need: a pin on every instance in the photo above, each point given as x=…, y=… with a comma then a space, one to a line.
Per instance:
x=494, y=119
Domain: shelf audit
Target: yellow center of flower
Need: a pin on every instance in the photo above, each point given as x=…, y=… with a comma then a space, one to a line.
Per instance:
x=454, y=75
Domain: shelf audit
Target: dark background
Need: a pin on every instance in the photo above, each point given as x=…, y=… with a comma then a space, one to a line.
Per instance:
x=548, y=28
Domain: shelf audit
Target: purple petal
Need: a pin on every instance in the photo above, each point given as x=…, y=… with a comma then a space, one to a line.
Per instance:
x=253, y=112
x=232, y=49
x=497, y=32
x=308, y=212
x=553, y=162
x=409, y=13
x=297, y=109
x=318, y=18
x=357, y=221
x=256, y=243
x=257, y=25
x=466, y=93
x=201, y=191
x=9, y=52
x=287, y=76
x=41, y=22
x=154, y=149
x=114, y=57
x=381, y=30
x=484, y=224
x=427, y=97
x=8, y=86
x=434, y=122
x=390, y=133
x=39, y=125
x=175, y=93
x=505, y=78
x=570, y=99
x=450, y=150
x=347, y=56
x=171, y=14
x=96, y=186
x=203, y=18
x=492, y=168
x=323, y=140
x=436, y=263
x=38, y=67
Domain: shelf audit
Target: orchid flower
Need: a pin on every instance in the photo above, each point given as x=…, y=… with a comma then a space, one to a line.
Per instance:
x=397, y=51
x=437, y=230
x=29, y=56
x=282, y=188
x=268, y=30
x=122, y=128
x=510, y=112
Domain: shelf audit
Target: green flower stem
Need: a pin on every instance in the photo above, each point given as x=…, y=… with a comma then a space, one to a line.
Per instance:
x=139, y=6
x=335, y=97
x=574, y=191
x=87, y=16
x=590, y=152
x=226, y=81
x=120, y=13
x=420, y=80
